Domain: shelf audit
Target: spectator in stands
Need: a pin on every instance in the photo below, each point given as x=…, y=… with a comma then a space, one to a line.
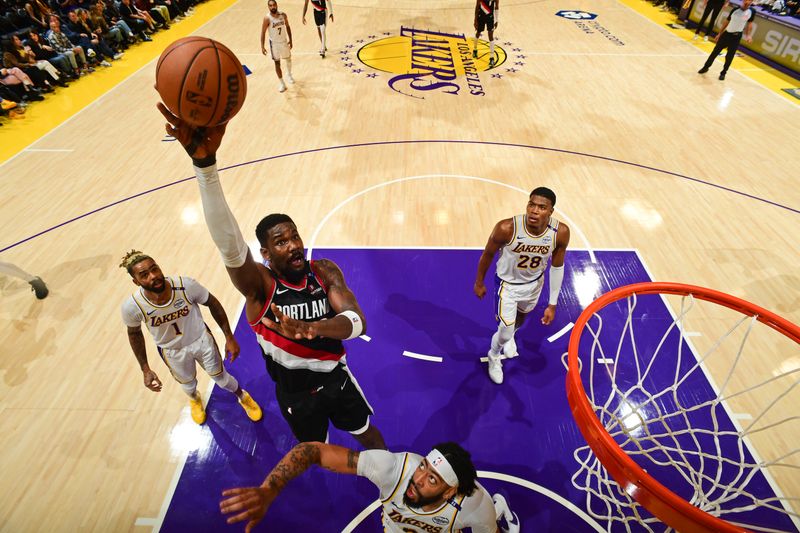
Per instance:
x=43, y=73
x=43, y=52
x=159, y=14
x=89, y=41
x=20, y=83
x=63, y=45
x=141, y=20
x=39, y=12
x=108, y=25
x=713, y=8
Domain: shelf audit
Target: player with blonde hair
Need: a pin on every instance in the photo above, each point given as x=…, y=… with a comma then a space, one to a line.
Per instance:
x=169, y=308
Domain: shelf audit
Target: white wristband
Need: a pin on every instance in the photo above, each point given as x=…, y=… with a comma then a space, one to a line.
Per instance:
x=556, y=279
x=355, y=320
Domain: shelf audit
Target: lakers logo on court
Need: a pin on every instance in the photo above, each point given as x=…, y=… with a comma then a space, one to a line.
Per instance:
x=422, y=62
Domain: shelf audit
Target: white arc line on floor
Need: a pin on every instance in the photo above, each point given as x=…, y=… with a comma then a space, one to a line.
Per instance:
x=573, y=226
x=424, y=357
x=563, y=331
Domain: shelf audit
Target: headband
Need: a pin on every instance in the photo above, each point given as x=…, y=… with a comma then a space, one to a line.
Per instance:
x=442, y=467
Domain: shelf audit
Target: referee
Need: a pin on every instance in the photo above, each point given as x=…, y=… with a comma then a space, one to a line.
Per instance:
x=731, y=34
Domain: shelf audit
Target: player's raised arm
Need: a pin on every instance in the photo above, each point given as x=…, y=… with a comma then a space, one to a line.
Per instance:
x=201, y=144
x=501, y=234
x=251, y=503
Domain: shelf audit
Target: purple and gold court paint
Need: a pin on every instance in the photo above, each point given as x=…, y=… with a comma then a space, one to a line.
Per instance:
x=420, y=301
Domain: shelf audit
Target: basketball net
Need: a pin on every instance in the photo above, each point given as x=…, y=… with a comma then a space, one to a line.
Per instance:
x=651, y=410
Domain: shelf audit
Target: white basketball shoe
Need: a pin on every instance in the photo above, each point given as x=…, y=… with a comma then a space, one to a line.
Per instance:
x=508, y=521
x=495, y=367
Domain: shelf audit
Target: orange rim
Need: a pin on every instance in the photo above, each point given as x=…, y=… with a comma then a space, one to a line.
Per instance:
x=665, y=505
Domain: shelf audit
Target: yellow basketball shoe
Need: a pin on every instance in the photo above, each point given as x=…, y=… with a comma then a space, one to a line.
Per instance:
x=250, y=407
x=198, y=413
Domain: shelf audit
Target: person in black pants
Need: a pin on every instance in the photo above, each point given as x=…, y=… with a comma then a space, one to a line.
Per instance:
x=713, y=7
x=740, y=20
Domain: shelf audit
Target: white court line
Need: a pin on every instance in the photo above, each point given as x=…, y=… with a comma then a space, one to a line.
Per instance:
x=422, y=356
x=508, y=479
x=742, y=416
x=48, y=150
x=146, y=522
x=502, y=358
x=605, y=361
x=365, y=337
x=692, y=334
x=573, y=226
x=563, y=331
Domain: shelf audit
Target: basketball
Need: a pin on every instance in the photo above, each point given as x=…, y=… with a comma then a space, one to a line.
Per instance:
x=201, y=81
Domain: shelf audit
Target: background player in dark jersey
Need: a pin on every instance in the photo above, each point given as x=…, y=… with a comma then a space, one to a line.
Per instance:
x=321, y=7
x=487, y=14
x=299, y=310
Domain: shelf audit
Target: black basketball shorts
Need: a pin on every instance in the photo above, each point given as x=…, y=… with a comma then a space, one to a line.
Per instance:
x=339, y=401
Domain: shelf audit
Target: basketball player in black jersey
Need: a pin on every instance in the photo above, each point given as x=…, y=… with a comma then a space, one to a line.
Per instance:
x=320, y=8
x=300, y=310
x=487, y=15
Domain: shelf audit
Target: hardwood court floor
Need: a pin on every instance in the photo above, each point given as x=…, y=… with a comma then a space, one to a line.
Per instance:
x=698, y=175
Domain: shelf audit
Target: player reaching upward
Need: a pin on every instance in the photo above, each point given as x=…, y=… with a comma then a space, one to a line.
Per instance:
x=526, y=242
x=300, y=310
x=168, y=307
x=321, y=8
x=436, y=493
x=280, y=41
x=487, y=15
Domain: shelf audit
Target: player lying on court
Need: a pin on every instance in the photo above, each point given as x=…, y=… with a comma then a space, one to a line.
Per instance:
x=436, y=493
x=169, y=308
x=526, y=242
x=299, y=310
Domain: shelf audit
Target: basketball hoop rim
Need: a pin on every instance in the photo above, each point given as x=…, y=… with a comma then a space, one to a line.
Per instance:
x=668, y=507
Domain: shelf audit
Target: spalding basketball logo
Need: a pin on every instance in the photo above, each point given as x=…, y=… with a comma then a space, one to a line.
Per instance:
x=198, y=99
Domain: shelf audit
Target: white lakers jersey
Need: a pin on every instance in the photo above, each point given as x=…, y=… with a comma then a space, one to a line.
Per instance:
x=177, y=323
x=391, y=472
x=525, y=257
x=277, y=28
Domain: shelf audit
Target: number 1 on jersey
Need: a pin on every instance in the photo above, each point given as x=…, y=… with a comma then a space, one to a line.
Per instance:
x=177, y=330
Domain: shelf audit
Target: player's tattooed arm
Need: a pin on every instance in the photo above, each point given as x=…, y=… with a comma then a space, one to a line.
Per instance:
x=136, y=340
x=251, y=503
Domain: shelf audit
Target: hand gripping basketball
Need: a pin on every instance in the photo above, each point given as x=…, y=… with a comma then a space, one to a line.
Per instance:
x=200, y=143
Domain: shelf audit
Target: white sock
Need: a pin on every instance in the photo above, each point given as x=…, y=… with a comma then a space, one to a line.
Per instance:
x=15, y=271
x=190, y=388
x=226, y=381
x=322, y=32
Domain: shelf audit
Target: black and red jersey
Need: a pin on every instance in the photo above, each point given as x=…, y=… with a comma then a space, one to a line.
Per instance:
x=298, y=364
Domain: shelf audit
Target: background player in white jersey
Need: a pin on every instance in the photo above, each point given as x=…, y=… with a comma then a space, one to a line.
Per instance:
x=280, y=41
x=168, y=307
x=300, y=311
x=487, y=16
x=320, y=7
x=432, y=494
x=526, y=243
